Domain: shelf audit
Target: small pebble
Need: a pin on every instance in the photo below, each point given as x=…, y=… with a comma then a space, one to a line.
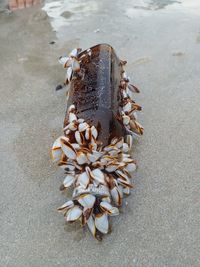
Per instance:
x=59, y=87
x=97, y=30
x=178, y=54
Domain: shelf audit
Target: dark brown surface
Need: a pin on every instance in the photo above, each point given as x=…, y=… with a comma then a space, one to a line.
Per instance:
x=95, y=92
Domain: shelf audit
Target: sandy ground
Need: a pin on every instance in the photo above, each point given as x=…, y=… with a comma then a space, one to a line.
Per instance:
x=160, y=225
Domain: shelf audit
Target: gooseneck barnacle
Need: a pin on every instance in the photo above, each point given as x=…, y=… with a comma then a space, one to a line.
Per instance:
x=94, y=150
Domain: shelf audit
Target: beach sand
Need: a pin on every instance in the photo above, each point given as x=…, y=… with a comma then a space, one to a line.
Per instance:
x=160, y=222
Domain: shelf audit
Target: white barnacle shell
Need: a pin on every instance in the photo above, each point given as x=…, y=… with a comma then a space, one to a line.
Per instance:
x=126, y=119
x=97, y=164
x=94, y=156
x=127, y=107
x=83, y=126
x=80, y=120
x=131, y=167
x=109, y=148
x=129, y=140
x=106, y=199
x=120, y=142
x=91, y=225
x=97, y=154
x=88, y=134
x=73, y=214
x=107, y=207
x=93, y=144
x=68, y=181
x=91, y=157
x=71, y=108
x=87, y=200
x=122, y=174
x=89, y=51
x=75, y=146
x=114, y=152
x=114, y=141
x=101, y=222
x=125, y=183
x=134, y=125
x=103, y=161
x=75, y=52
x=83, y=179
x=124, y=75
x=124, y=94
x=79, y=138
x=98, y=175
x=127, y=159
x=106, y=158
x=63, y=166
x=81, y=158
x=116, y=195
x=56, y=151
x=67, y=132
x=64, y=60
x=72, y=117
x=71, y=126
x=67, y=148
x=67, y=205
x=70, y=166
x=69, y=74
x=125, y=148
x=125, y=156
x=111, y=167
x=75, y=65
x=121, y=165
x=126, y=190
x=94, y=132
x=57, y=142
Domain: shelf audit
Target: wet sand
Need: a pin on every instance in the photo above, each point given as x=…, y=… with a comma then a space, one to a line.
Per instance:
x=159, y=224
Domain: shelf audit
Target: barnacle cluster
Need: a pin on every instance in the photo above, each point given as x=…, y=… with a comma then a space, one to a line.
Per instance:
x=129, y=106
x=99, y=174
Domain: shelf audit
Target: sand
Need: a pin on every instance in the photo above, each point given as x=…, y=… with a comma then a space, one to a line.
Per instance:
x=160, y=222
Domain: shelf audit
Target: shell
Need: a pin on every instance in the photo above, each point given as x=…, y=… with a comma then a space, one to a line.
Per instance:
x=116, y=196
x=68, y=181
x=75, y=52
x=101, y=223
x=83, y=179
x=98, y=175
x=64, y=60
x=79, y=138
x=94, y=132
x=74, y=214
x=72, y=117
x=87, y=200
x=82, y=127
x=68, y=149
x=81, y=158
x=91, y=225
x=67, y=205
x=129, y=140
x=131, y=167
x=75, y=65
x=56, y=152
x=107, y=207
